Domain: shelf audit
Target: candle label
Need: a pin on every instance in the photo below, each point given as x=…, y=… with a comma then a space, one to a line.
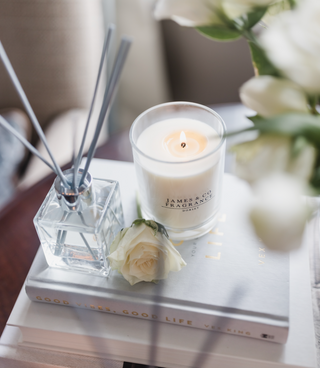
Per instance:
x=188, y=204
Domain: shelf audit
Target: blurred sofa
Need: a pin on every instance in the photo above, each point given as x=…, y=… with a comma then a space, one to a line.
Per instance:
x=55, y=48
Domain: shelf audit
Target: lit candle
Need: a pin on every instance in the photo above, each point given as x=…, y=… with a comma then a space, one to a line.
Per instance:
x=184, y=144
x=178, y=140
x=179, y=174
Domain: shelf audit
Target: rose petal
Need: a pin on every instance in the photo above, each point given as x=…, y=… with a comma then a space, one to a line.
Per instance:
x=189, y=13
x=270, y=96
x=279, y=213
x=292, y=43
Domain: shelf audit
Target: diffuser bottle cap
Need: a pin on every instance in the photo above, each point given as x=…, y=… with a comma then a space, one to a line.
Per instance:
x=74, y=199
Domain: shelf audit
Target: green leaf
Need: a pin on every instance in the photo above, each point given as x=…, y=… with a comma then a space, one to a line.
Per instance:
x=315, y=180
x=163, y=230
x=292, y=125
x=219, y=33
x=298, y=145
x=138, y=222
x=260, y=61
x=155, y=226
x=255, y=118
x=292, y=3
x=254, y=17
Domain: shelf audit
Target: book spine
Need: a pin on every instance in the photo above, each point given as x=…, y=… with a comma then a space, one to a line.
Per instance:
x=163, y=313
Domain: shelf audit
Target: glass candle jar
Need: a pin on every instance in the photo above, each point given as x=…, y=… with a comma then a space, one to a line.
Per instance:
x=179, y=151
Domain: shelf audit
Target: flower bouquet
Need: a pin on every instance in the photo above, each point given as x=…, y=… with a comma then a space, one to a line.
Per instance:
x=282, y=161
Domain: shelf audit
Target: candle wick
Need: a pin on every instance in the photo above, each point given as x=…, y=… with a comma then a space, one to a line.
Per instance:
x=183, y=145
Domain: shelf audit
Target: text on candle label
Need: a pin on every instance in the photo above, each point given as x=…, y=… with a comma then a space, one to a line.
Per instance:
x=191, y=203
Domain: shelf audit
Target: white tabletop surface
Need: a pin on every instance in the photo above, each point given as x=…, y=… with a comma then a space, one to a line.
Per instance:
x=95, y=336
x=88, y=333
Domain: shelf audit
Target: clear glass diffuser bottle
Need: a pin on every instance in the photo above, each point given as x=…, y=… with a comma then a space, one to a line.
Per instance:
x=76, y=227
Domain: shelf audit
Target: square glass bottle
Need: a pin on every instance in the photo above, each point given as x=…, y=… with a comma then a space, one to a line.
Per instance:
x=76, y=227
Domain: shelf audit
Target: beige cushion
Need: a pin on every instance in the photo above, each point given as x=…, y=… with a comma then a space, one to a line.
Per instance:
x=144, y=81
x=59, y=136
x=54, y=46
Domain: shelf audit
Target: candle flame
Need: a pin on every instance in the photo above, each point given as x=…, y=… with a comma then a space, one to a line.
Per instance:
x=183, y=139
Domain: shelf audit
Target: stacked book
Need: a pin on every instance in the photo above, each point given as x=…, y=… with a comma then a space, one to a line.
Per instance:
x=232, y=283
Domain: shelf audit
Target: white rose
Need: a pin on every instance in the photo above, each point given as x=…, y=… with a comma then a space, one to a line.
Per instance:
x=193, y=13
x=275, y=9
x=292, y=43
x=190, y=13
x=279, y=213
x=270, y=154
x=143, y=252
x=236, y=8
x=270, y=96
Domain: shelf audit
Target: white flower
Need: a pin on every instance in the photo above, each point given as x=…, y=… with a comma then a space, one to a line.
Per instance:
x=275, y=9
x=292, y=43
x=280, y=213
x=270, y=154
x=270, y=96
x=236, y=8
x=192, y=13
x=143, y=252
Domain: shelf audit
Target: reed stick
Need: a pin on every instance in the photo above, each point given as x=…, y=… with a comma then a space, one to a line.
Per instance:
x=7, y=126
x=105, y=52
x=74, y=144
x=108, y=96
x=29, y=110
x=74, y=139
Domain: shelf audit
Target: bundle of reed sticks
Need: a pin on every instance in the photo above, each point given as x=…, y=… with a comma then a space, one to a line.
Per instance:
x=109, y=93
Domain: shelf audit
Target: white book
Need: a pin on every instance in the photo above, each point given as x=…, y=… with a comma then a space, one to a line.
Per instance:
x=118, y=337
x=232, y=283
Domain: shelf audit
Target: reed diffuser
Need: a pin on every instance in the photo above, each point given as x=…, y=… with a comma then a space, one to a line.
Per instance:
x=81, y=215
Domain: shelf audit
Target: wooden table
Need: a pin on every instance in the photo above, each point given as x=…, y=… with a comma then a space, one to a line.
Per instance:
x=19, y=240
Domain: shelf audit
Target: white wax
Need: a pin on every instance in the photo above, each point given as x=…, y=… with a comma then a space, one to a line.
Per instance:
x=180, y=192
x=152, y=140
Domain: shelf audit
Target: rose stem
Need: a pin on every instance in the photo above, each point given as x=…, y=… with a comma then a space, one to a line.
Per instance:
x=28, y=107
